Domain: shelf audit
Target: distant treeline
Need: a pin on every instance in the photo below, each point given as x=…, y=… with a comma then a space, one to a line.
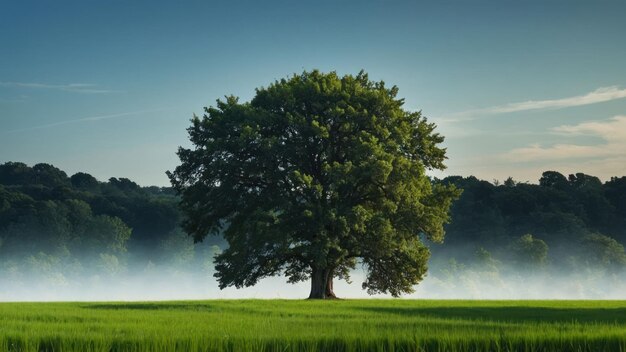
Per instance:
x=564, y=221
x=54, y=225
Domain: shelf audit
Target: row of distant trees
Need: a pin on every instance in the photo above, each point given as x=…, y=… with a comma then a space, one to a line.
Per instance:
x=563, y=223
x=58, y=227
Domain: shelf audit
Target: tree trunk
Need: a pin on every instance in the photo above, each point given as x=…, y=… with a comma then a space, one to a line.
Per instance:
x=318, y=284
x=330, y=294
x=322, y=284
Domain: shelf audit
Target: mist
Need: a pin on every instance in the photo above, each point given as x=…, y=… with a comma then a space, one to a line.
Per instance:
x=447, y=278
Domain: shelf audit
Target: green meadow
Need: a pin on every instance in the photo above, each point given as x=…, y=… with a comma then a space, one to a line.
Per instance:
x=293, y=325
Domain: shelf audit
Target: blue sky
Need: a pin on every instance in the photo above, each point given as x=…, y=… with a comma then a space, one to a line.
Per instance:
x=517, y=87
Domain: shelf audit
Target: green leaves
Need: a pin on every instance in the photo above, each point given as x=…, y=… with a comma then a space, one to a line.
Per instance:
x=316, y=171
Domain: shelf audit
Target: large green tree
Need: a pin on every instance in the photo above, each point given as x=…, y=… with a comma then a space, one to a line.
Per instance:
x=312, y=176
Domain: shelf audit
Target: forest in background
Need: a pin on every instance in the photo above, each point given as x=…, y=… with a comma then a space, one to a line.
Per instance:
x=60, y=231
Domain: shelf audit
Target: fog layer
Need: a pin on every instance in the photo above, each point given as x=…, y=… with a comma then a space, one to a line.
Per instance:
x=447, y=279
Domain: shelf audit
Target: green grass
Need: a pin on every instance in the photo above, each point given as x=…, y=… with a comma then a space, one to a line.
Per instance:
x=345, y=325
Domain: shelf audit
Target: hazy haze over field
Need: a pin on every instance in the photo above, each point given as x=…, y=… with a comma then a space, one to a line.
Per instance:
x=169, y=285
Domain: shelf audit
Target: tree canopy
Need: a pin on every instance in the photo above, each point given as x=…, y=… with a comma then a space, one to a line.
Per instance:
x=315, y=173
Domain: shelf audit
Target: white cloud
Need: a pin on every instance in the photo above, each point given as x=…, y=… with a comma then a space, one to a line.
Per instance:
x=612, y=132
x=71, y=87
x=536, y=152
x=599, y=95
x=85, y=119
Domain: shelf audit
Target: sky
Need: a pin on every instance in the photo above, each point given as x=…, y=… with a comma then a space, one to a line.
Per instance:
x=516, y=87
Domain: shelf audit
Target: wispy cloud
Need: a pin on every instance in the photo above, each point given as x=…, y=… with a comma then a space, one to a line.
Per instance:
x=599, y=95
x=612, y=132
x=85, y=119
x=71, y=87
x=16, y=99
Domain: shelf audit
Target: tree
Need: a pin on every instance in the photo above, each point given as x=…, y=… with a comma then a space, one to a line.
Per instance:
x=50, y=176
x=509, y=182
x=478, y=221
x=553, y=179
x=582, y=181
x=603, y=251
x=15, y=173
x=615, y=191
x=84, y=181
x=178, y=250
x=485, y=260
x=316, y=173
x=529, y=252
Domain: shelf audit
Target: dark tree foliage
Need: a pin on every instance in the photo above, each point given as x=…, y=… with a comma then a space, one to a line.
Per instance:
x=604, y=251
x=553, y=179
x=15, y=173
x=316, y=172
x=615, y=192
x=48, y=220
x=41, y=209
x=529, y=252
x=562, y=211
x=84, y=181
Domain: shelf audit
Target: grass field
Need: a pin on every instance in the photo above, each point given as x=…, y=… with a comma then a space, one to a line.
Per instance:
x=345, y=325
